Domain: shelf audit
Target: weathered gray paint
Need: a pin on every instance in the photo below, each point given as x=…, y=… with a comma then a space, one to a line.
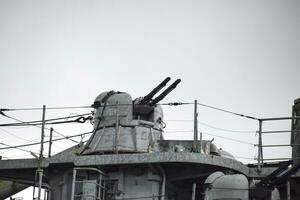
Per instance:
x=7, y=188
x=221, y=186
x=95, y=160
x=144, y=165
x=116, y=127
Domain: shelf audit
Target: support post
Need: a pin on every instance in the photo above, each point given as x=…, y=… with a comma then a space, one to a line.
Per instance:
x=73, y=184
x=39, y=170
x=163, y=185
x=104, y=190
x=33, y=191
x=194, y=191
x=50, y=142
x=99, y=187
x=195, y=127
x=200, y=145
x=43, y=133
x=117, y=128
x=288, y=190
x=260, y=151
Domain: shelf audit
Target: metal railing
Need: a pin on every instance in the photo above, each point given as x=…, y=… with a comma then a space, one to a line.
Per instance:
x=260, y=157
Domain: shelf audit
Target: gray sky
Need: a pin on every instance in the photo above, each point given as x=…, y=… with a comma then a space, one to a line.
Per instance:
x=239, y=55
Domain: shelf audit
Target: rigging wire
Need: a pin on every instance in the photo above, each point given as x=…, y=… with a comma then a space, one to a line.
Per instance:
x=40, y=108
x=9, y=146
x=214, y=127
x=174, y=104
x=163, y=104
x=54, y=140
x=226, y=138
x=212, y=107
x=223, y=129
x=35, y=123
x=78, y=107
x=80, y=119
x=227, y=111
x=16, y=136
x=30, y=144
x=169, y=104
x=38, y=138
x=38, y=127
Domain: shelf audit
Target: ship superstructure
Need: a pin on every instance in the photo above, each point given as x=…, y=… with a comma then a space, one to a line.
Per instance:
x=127, y=157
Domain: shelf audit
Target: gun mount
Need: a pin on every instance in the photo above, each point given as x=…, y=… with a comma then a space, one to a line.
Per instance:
x=164, y=93
x=149, y=96
x=144, y=106
x=147, y=100
x=140, y=122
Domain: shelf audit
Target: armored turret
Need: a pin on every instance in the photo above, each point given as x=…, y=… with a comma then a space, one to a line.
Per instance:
x=124, y=125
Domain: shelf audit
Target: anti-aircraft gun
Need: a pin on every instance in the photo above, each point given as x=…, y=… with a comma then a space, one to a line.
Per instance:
x=148, y=98
x=124, y=125
x=144, y=106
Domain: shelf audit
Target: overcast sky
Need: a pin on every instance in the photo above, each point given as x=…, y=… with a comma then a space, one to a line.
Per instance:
x=239, y=55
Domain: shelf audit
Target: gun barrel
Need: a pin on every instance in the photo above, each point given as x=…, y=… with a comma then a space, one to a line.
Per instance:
x=165, y=93
x=149, y=96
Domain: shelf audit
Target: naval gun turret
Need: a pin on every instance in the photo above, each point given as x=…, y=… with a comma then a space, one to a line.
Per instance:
x=124, y=125
x=144, y=106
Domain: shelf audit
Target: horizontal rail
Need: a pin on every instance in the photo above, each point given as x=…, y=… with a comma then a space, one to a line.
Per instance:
x=283, y=131
x=275, y=159
x=277, y=145
x=279, y=118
